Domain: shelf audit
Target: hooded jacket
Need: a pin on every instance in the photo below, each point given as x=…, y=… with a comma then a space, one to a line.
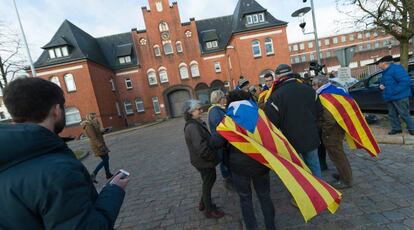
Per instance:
x=397, y=83
x=92, y=130
x=44, y=186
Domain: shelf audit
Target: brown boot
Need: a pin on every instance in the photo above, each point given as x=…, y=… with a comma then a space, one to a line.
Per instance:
x=215, y=214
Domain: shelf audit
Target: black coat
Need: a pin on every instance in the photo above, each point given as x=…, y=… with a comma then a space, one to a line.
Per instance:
x=197, y=138
x=44, y=186
x=295, y=108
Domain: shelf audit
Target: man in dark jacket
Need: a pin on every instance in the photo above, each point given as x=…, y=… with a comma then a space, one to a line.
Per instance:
x=294, y=108
x=396, y=90
x=42, y=184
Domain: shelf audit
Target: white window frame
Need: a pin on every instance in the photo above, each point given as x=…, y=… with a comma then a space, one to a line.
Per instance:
x=52, y=54
x=310, y=45
x=269, y=44
x=327, y=42
x=303, y=58
x=302, y=46
x=152, y=77
x=65, y=51
x=75, y=113
x=297, y=59
x=58, y=53
x=118, y=110
x=256, y=44
x=249, y=19
x=179, y=47
x=255, y=19
x=183, y=71
x=112, y=85
x=335, y=40
x=158, y=5
x=295, y=47
x=376, y=45
x=157, y=50
x=70, y=82
x=128, y=83
x=212, y=44
x=311, y=56
x=217, y=67
x=163, y=26
x=162, y=72
x=261, y=17
x=128, y=112
x=343, y=39
x=139, y=102
x=195, y=70
x=359, y=36
x=328, y=54
x=55, y=79
x=169, y=45
x=367, y=35
x=156, y=105
x=124, y=60
x=351, y=37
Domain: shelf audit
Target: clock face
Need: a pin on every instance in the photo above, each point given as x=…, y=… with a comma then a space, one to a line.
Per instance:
x=165, y=36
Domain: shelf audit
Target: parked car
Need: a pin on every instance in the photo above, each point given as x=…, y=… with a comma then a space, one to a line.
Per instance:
x=368, y=95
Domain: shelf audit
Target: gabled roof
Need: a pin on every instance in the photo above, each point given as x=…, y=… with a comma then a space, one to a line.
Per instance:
x=224, y=27
x=83, y=46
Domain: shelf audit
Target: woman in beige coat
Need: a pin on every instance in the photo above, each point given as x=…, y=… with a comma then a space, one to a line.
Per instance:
x=92, y=130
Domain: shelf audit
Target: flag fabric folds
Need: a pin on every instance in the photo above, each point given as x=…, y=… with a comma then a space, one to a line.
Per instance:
x=247, y=128
x=349, y=116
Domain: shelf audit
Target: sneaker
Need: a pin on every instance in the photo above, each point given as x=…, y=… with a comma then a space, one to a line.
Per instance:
x=201, y=206
x=340, y=185
x=93, y=178
x=215, y=214
x=393, y=132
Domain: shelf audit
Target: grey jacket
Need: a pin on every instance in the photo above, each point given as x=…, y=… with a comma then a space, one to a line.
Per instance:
x=197, y=138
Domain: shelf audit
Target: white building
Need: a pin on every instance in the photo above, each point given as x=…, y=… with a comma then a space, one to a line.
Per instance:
x=4, y=114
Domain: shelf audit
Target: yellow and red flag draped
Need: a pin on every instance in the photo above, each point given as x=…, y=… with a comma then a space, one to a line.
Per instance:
x=267, y=145
x=348, y=115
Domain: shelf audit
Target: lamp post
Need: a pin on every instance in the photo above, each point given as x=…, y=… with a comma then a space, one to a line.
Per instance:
x=230, y=63
x=301, y=15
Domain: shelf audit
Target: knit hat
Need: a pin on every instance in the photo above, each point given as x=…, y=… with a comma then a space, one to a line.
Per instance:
x=191, y=105
x=283, y=70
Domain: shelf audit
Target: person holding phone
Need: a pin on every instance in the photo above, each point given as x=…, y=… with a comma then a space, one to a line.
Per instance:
x=42, y=183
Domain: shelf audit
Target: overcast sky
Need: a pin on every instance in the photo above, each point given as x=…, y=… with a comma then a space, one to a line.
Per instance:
x=42, y=18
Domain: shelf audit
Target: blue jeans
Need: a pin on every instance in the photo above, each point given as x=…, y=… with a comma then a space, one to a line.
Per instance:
x=311, y=159
x=104, y=163
x=261, y=185
x=402, y=108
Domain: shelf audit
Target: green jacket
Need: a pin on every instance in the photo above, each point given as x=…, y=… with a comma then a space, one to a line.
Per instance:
x=44, y=186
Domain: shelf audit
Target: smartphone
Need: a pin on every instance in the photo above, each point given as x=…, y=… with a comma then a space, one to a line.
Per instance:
x=124, y=173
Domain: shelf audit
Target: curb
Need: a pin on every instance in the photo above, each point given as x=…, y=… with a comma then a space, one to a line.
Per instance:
x=135, y=128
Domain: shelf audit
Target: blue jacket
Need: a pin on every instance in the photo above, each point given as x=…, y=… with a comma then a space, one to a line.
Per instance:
x=397, y=83
x=44, y=186
x=215, y=116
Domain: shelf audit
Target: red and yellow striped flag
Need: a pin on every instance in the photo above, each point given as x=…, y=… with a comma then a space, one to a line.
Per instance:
x=268, y=146
x=348, y=115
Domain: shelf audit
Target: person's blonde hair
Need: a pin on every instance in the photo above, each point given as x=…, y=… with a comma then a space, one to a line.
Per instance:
x=90, y=116
x=216, y=96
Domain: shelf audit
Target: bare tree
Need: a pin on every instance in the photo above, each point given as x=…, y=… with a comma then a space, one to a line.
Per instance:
x=394, y=17
x=11, y=62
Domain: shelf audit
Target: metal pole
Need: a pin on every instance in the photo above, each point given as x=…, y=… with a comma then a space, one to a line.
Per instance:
x=25, y=41
x=315, y=31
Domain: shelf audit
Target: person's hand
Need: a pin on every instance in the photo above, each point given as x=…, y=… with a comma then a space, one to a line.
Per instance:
x=382, y=87
x=122, y=183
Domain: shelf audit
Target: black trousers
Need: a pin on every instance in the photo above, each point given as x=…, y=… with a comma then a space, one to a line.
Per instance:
x=209, y=177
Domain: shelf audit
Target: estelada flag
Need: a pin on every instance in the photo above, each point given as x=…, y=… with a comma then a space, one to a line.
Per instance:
x=247, y=128
x=348, y=115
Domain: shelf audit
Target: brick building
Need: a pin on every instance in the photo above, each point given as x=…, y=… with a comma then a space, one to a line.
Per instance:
x=370, y=46
x=144, y=75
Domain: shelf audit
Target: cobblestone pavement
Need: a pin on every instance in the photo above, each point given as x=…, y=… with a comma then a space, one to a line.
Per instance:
x=164, y=189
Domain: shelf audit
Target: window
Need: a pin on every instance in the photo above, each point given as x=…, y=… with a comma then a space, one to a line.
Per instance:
x=269, y=46
x=359, y=36
x=152, y=77
x=55, y=80
x=2, y=116
x=112, y=84
x=255, y=18
x=52, y=54
x=297, y=59
x=343, y=39
x=58, y=52
x=118, y=110
x=261, y=17
x=168, y=48
x=163, y=26
x=302, y=46
x=157, y=50
x=335, y=40
x=212, y=44
x=128, y=83
x=311, y=56
x=163, y=74
x=367, y=35
x=158, y=5
x=195, y=72
x=320, y=43
x=217, y=67
x=249, y=19
x=376, y=45
x=65, y=51
x=351, y=37
x=179, y=47
x=310, y=45
x=368, y=46
x=361, y=47
x=124, y=60
x=303, y=58
x=140, y=105
x=70, y=83
x=292, y=60
x=72, y=116
x=375, y=34
x=328, y=54
x=256, y=49
x=290, y=48
x=156, y=105
x=295, y=47
x=128, y=107
x=327, y=42
x=183, y=71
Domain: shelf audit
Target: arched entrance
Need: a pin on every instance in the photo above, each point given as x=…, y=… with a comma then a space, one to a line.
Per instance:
x=217, y=85
x=175, y=99
x=264, y=72
x=203, y=93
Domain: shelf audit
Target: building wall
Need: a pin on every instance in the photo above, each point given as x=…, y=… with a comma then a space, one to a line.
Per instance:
x=3, y=111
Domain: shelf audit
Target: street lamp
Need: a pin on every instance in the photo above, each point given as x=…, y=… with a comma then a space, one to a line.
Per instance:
x=301, y=15
x=389, y=45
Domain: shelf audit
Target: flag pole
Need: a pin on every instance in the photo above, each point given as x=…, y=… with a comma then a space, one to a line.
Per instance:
x=25, y=41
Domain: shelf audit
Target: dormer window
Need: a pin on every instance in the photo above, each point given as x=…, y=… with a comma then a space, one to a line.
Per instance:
x=212, y=44
x=253, y=19
x=58, y=52
x=124, y=60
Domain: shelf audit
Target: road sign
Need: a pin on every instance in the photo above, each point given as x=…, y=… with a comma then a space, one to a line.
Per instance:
x=345, y=55
x=344, y=74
